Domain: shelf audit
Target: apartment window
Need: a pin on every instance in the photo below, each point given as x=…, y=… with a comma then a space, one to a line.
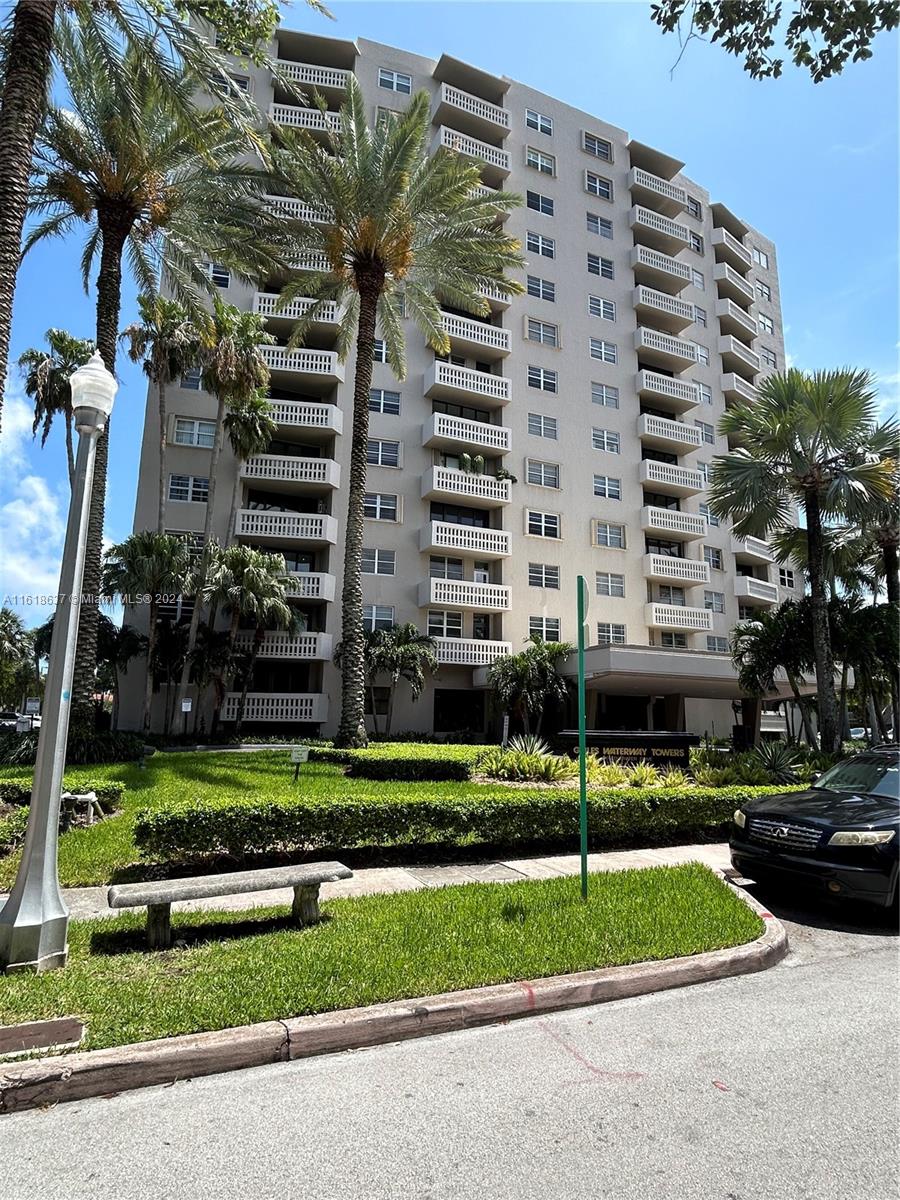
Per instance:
x=605, y=394
x=241, y=82
x=763, y=290
x=599, y=147
x=702, y=354
x=597, y=185
x=379, y=351
x=541, y=426
x=599, y=225
x=713, y=556
x=612, y=536
x=598, y=307
x=542, y=379
x=395, y=81
x=695, y=208
x=610, y=634
x=768, y=356
x=673, y=641
x=543, y=474
x=536, y=120
x=696, y=242
x=380, y=506
x=765, y=323
x=443, y=624
x=704, y=391
x=543, y=575
x=671, y=595
x=443, y=567
x=746, y=612
x=606, y=439
x=191, y=379
x=700, y=316
x=541, y=289
x=603, y=267
x=709, y=515
x=219, y=274
x=761, y=258
x=378, y=616
x=609, y=584
x=536, y=243
x=543, y=524
x=385, y=114
x=708, y=431
x=714, y=601
x=383, y=401
x=719, y=645
x=785, y=577
x=547, y=628
x=604, y=351
x=543, y=332
x=540, y=203
x=195, y=433
x=703, y=468
x=189, y=488
x=698, y=280
x=379, y=562
x=380, y=698
x=381, y=453
x=539, y=161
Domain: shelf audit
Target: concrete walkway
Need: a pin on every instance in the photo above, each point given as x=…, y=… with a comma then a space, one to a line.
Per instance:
x=91, y=901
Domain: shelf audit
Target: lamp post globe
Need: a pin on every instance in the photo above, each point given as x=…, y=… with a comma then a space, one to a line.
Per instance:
x=93, y=391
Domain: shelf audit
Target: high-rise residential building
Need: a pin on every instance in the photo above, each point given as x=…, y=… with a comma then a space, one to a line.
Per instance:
x=570, y=431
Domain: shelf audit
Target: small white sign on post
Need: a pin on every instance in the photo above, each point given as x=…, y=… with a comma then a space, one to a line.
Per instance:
x=299, y=754
x=32, y=706
x=505, y=729
x=187, y=704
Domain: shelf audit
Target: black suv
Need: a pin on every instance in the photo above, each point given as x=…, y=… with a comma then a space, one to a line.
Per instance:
x=841, y=834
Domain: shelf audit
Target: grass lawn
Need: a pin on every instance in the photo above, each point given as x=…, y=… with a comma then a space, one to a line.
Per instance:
x=238, y=968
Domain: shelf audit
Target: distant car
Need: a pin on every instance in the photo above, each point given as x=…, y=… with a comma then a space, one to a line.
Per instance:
x=858, y=733
x=34, y=718
x=841, y=834
x=8, y=718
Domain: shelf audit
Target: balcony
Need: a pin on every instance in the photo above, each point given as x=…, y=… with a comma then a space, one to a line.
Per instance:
x=311, y=260
x=476, y=339
x=663, y=350
x=265, y=304
x=752, y=550
x=469, y=652
x=670, y=480
x=497, y=301
x=653, y=229
x=737, y=357
x=755, y=591
x=729, y=250
x=673, y=525
x=734, y=319
x=685, y=572
x=308, y=75
x=452, y=383
x=298, y=647
x=674, y=616
x=668, y=435
x=732, y=284
x=273, y=528
x=465, y=539
x=461, y=593
x=678, y=394
x=450, y=433
x=284, y=707
x=298, y=210
x=289, y=415
x=470, y=113
x=737, y=390
x=311, y=119
x=319, y=367
x=662, y=194
x=293, y=475
x=478, y=490
x=659, y=270
x=310, y=585
x=494, y=162
x=664, y=311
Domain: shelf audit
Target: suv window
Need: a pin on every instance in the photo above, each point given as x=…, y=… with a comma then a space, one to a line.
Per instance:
x=874, y=775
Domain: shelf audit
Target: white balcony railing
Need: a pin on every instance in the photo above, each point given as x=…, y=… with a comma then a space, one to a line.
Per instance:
x=650, y=383
x=662, y=344
x=298, y=210
x=662, y=302
x=311, y=260
x=658, y=430
x=731, y=282
x=645, y=260
x=666, y=477
x=470, y=147
x=465, y=381
x=465, y=539
x=474, y=106
x=475, y=333
x=304, y=647
x=470, y=652
x=732, y=347
x=736, y=388
x=310, y=585
x=654, y=224
x=642, y=180
x=265, y=304
x=673, y=616
x=443, y=429
x=284, y=526
x=284, y=468
x=683, y=526
x=300, y=414
x=310, y=75
x=753, y=548
x=312, y=119
x=727, y=247
x=755, y=591
x=304, y=362
x=470, y=485
x=684, y=571
x=731, y=314
x=278, y=706
x=464, y=593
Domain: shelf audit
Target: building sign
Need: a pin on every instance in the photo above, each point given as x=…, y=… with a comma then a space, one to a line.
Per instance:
x=32, y=706
x=662, y=749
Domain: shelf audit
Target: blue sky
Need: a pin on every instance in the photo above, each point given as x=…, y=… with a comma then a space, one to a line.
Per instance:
x=814, y=166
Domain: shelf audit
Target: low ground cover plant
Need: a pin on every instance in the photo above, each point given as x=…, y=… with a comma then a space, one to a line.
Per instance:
x=20, y=749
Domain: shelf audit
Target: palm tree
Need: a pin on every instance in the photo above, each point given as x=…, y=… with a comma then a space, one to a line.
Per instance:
x=399, y=219
x=849, y=558
x=523, y=684
x=401, y=652
x=865, y=640
x=14, y=642
x=150, y=564
x=163, y=193
x=167, y=341
x=778, y=639
x=250, y=427
x=810, y=441
x=265, y=599
x=46, y=375
x=882, y=525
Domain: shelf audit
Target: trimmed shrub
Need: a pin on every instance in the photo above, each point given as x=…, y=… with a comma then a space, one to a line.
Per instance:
x=527, y=766
x=20, y=749
x=109, y=791
x=12, y=830
x=408, y=762
x=466, y=817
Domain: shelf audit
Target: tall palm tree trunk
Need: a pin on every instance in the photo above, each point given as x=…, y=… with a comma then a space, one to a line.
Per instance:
x=21, y=105
x=70, y=451
x=801, y=706
x=824, y=660
x=161, y=516
x=258, y=637
x=352, y=728
x=148, y=683
x=891, y=571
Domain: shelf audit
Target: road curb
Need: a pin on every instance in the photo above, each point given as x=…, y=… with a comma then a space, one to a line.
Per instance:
x=61, y=1078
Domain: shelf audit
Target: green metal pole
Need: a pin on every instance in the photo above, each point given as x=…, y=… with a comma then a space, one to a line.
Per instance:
x=582, y=738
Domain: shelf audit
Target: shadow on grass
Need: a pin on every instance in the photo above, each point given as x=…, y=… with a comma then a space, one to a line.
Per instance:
x=200, y=932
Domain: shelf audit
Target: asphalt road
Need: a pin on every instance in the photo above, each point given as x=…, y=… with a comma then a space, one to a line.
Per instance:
x=779, y=1086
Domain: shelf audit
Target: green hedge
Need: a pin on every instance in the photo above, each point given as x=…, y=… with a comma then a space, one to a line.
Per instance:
x=109, y=791
x=404, y=762
x=479, y=815
x=18, y=749
x=12, y=830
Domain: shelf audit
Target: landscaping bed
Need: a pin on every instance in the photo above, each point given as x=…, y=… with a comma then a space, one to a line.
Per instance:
x=232, y=969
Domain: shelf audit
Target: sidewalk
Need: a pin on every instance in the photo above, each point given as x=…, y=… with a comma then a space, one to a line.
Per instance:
x=91, y=901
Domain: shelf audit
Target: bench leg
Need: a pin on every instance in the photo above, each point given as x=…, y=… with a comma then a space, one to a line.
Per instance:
x=305, y=909
x=159, y=926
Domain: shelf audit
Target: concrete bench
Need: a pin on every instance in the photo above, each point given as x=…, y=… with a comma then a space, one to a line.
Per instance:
x=159, y=896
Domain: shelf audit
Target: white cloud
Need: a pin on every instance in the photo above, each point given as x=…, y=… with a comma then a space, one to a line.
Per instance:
x=18, y=416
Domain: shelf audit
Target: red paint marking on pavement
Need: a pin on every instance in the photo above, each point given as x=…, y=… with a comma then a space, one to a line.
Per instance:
x=767, y=916
x=528, y=990
x=723, y=1087
x=596, y=1071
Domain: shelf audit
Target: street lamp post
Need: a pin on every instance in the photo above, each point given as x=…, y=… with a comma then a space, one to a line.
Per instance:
x=34, y=921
